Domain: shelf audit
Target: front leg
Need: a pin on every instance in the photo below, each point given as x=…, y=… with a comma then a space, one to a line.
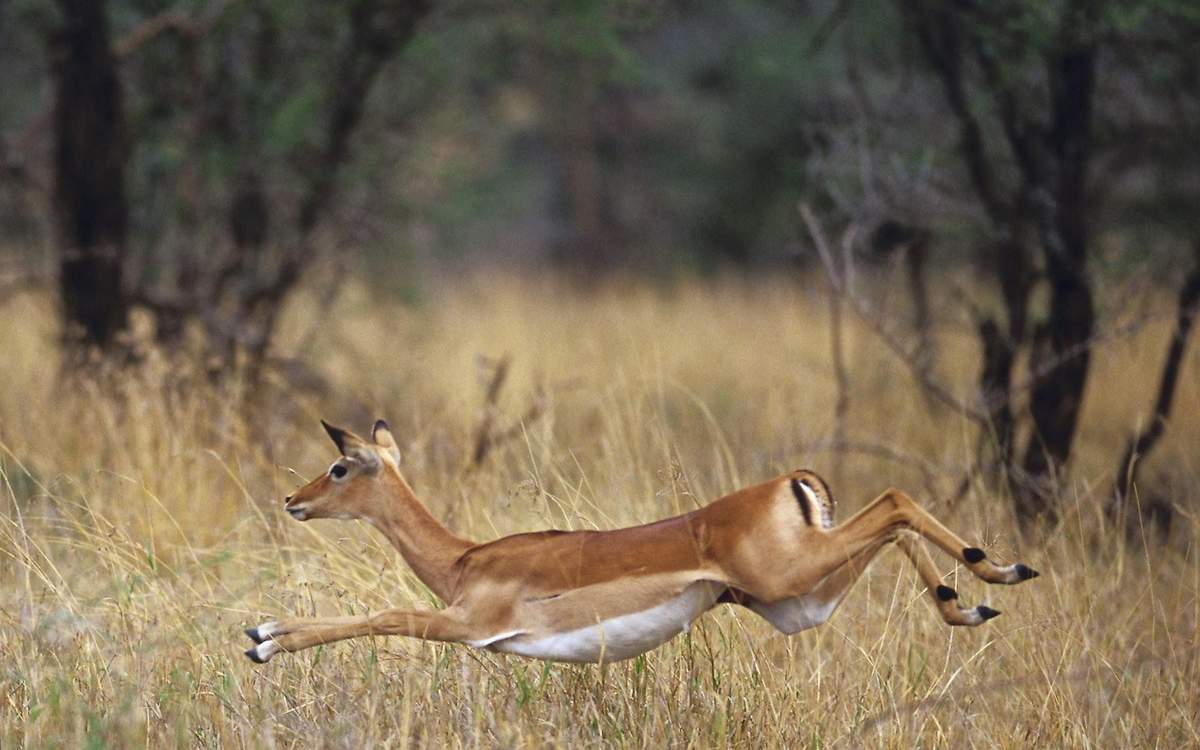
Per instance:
x=299, y=634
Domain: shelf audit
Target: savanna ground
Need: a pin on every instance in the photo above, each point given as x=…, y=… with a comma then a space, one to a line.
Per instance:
x=142, y=529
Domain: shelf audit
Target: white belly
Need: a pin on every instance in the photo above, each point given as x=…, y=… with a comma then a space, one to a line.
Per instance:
x=620, y=637
x=796, y=614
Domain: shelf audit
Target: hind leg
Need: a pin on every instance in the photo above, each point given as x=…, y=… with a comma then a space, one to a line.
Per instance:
x=793, y=614
x=894, y=511
x=945, y=599
x=796, y=613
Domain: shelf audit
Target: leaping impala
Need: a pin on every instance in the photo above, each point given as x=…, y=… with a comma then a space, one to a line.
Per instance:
x=591, y=596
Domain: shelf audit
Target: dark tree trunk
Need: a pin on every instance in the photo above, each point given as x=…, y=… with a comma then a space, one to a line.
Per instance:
x=89, y=183
x=942, y=39
x=1120, y=510
x=1014, y=270
x=1062, y=349
x=1051, y=196
x=1061, y=353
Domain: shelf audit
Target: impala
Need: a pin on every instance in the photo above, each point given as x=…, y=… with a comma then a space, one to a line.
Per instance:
x=598, y=596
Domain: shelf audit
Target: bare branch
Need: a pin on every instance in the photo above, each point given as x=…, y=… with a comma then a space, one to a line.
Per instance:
x=487, y=435
x=828, y=25
x=924, y=378
x=928, y=469
x=939, y=37
x=179, y=21
x=485, y=432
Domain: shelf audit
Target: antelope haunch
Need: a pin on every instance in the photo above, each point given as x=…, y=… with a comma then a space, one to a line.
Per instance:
x=590, y=596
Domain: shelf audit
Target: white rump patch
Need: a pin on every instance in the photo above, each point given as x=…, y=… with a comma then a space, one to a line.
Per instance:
x=620, y=637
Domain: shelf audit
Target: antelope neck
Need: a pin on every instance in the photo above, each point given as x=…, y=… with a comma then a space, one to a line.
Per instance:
x=426, y=545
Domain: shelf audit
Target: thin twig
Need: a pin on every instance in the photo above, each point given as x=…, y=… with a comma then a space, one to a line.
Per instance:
x=926, y=379
x=485, y=432
x=841, y=406
x=180, y=21
x=927, y=468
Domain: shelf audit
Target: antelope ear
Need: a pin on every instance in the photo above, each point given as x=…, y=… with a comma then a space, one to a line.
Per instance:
x=345, y=440
x=382, y=435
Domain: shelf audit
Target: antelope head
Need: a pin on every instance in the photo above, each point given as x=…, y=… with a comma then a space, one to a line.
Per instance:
x=353, y=485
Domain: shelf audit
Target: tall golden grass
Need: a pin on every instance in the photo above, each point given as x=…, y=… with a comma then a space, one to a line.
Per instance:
x=142, y=529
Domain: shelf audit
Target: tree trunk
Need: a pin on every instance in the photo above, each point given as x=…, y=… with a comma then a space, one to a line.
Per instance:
x=1120, y=510
x=1062, y=347
x=91, y=212
x=1000, y=347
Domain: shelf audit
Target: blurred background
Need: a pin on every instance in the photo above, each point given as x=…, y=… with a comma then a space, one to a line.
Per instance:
x=598, y=263
x=1025, y=171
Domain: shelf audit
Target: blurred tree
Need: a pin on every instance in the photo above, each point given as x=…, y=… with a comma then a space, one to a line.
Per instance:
x=199, y=147
x=1037, y=66
x=220, y=117
x=1021, y=80
x=89, y=185
x=1147, y=184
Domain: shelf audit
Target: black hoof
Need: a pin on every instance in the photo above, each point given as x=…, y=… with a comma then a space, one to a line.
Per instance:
x=973, y=555
x=252, y=655
x=945, y=593
x=986, y=613
x=253, y=634
x=1026, y=572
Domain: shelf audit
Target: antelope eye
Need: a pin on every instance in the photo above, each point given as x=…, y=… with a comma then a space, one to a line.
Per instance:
x=337, y=471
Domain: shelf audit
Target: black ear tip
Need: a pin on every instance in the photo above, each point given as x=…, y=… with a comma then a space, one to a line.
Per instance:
x=336, y=434
x=381, y=425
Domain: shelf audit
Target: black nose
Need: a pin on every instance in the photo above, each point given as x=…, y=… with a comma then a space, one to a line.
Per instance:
x=288, y=499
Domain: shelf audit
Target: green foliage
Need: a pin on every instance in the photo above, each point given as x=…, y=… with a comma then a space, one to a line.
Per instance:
x=706, y=122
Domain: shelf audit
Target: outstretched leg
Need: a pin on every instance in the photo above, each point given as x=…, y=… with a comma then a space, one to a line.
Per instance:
x=944, y=597
x=299, y=634
x=893, y=511
x=809, y=610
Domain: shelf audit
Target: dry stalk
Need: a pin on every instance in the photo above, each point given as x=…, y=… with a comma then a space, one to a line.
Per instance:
x=487, y=434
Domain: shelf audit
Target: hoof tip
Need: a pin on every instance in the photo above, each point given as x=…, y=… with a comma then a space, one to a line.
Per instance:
x=1025, y=572
x=252, y=633
x=252, y=655
x=973, y=555
x=986, y=612
x=945, y=593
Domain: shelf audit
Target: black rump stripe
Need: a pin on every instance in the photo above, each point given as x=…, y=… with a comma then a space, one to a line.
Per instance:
x=802, y=498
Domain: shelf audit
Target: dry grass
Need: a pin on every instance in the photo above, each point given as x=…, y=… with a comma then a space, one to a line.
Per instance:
x=141, y=530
